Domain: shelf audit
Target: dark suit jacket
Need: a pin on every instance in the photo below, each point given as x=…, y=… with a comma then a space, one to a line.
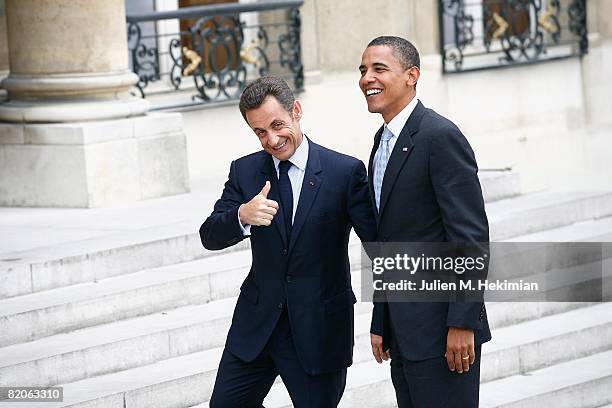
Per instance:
x=430, y=193
x=311, y=274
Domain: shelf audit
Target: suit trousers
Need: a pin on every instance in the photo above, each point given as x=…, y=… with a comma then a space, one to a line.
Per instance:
x=430, y=384
x=241, y=384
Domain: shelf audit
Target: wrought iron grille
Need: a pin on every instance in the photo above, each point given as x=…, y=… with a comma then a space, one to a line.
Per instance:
x=478, y=34
x=206, y=55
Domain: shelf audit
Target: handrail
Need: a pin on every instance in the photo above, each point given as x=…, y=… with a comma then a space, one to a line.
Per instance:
x=216, y=54
x=213, y=10
x=484, y=35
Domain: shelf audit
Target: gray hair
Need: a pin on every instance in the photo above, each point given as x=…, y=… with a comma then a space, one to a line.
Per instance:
x=257, y=91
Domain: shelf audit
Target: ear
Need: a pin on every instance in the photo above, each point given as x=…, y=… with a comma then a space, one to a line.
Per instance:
x=413, y=75
x=297, y=110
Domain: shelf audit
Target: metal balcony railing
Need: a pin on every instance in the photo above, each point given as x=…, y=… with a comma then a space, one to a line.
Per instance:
x=478, y=34
x=206, y=55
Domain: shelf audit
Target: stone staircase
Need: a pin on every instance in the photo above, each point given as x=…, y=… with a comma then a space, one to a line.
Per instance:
x=139, y=319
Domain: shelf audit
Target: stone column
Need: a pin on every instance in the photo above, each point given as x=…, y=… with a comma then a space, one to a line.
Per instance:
x=597, y=64
x=4, y=64
x=78, y=138
x=68, y=51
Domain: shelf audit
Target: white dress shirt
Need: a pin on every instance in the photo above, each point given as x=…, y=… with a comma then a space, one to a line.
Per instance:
x=395, y=126
x=296, y=176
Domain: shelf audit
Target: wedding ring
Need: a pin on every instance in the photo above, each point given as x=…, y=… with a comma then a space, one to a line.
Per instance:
x=465, y=358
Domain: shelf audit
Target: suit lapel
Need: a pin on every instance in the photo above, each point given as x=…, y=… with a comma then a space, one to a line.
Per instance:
x=268, y=173
x=310, y=188
x=401, y=151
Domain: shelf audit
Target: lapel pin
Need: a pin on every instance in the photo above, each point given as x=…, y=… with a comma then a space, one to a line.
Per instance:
x=404, y=149
x=311, y=183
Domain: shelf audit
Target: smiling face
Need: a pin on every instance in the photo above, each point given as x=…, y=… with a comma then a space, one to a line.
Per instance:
x=387, y=86
x=278, y=131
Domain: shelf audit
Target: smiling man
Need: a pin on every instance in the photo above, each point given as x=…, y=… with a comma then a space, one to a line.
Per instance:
x=297, y=202
x=425, y=188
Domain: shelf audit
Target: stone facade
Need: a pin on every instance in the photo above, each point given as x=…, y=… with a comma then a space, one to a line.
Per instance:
x=92, y=164
x=73, y=52
x=4, y=62
x=511, y=115
x=333, y=44
x=78, y=137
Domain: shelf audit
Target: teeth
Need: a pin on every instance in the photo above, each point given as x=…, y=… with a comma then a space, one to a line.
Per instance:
x=373, y=92
x=281, y=146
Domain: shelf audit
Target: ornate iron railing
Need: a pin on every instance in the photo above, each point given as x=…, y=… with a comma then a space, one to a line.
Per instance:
x=206, y=55
x=478, y=34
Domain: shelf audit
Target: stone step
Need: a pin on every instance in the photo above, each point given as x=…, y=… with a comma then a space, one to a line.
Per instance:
x=126, y=344
x=537, y=212
x=98, y=258
x=511, y=352
x=177, y=382
x=60, y=310
x=584, y=383
x=33, y=316
x=514, y=351
x=112, y=254
x=503, y=314
x=117, y=346
x=30, y=317
x=547, y=341
x=47, y=248
x=94, y=259
x=599, y=230
x=499, y=184
x=143, y=340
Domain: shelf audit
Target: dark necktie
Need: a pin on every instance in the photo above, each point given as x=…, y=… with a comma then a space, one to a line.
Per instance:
x=286, y=194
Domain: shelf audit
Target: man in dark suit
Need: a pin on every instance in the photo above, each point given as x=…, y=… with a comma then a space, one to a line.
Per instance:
x=424, y=185
x=297, y=201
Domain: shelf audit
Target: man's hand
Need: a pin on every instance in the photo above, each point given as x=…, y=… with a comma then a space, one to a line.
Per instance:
x=377, y=348
x=460, y=349
x=260, y=210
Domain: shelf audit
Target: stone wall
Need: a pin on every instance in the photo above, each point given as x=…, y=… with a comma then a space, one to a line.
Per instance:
x=4, y=59
x=597, y=65
x=335, y=32
x=340, y=29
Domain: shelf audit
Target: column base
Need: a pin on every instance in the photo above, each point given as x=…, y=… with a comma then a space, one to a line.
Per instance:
x=71, y=111
x=93, y=164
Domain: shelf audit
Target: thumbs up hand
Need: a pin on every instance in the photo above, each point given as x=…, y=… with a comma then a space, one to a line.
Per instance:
x=265, y=190
x=260, y=210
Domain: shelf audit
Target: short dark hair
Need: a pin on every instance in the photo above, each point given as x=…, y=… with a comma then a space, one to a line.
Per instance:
x=257, y=91
x=404, y=51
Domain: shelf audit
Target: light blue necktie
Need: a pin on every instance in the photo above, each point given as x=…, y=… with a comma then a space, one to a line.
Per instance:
x=381, y=164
